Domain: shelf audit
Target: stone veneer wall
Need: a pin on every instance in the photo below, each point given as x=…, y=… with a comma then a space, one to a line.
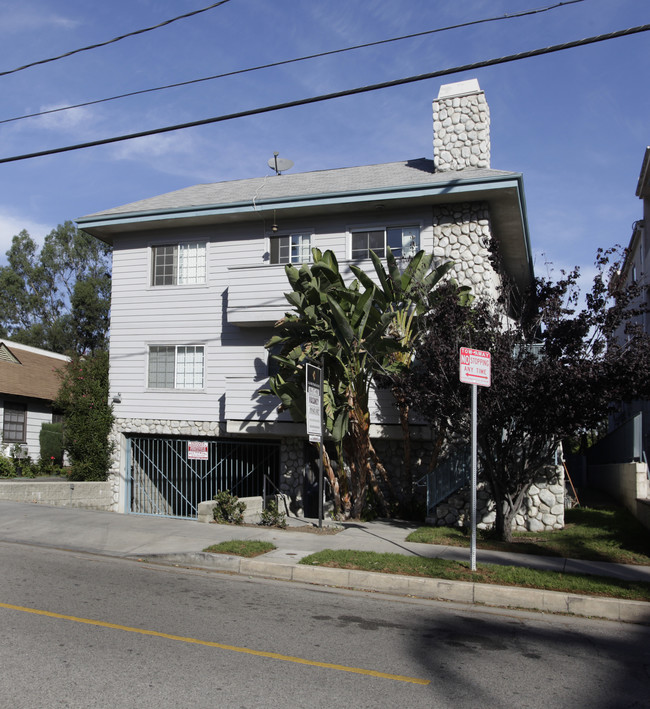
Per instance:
x=165, y=427
x=391, y=454
x=461, y=128
x=543, y=508
x=462, y=232
x=292, y=467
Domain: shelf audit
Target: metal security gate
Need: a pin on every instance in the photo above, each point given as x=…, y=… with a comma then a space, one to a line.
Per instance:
x=448, y=477
x=171, y=476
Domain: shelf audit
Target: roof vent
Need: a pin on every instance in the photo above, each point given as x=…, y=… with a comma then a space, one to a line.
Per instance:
x=6, y=355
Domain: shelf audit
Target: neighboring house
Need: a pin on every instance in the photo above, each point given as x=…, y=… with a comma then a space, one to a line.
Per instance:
x=618, y=462
x=636, y=270
x=29, y=383
x=198, y=283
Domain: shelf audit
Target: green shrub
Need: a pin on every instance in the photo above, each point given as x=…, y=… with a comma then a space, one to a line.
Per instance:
x=7, y=469
x=272, y=517
x=22, y=464
x=83, y=399
x=51, y=441
x=48, y=468
x=229, y=509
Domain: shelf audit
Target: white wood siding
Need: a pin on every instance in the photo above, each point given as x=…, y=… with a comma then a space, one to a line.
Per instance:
x=241, y=287
x=243, y=402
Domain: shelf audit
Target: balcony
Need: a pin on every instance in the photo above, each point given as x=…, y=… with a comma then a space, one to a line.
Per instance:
x=256, y=295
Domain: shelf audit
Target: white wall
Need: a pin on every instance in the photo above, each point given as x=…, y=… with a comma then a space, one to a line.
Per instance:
x=144, y=315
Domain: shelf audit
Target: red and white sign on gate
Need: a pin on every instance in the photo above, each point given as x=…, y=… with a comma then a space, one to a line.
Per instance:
x=475, y=367
x=197, y=450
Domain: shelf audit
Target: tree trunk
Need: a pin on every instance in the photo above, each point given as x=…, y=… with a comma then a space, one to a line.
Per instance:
x=503, y=522
x=379, y=466
x=405, y=492
x=503, y=508
x=358, y=449
x=437, y=447
x=333, y=480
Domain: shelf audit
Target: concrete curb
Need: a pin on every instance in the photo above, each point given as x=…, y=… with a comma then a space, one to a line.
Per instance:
x=430, y=588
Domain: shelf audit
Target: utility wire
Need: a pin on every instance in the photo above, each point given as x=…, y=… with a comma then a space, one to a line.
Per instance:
x=115, y=39
x=523, y=13
x=338, y=94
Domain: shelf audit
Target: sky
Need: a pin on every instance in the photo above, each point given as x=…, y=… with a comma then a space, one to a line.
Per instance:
x=575, y=123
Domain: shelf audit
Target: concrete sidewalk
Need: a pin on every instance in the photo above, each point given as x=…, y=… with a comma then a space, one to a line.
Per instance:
x=181, y=542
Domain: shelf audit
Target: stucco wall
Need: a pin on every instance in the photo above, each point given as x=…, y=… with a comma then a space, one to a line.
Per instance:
x=626, y=482
x=89, y=495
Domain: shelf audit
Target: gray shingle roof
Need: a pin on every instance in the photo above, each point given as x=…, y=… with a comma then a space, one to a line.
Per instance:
x=320, y=182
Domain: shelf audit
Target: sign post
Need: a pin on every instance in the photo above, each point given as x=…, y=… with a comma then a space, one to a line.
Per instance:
x=314, y=395
x=475, y=369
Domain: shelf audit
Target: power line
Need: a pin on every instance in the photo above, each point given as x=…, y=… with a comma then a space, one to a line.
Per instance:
x=511, y=16
x=115, y=39
x=338, y=94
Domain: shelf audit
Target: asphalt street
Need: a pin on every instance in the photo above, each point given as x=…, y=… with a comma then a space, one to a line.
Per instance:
x=85, y=630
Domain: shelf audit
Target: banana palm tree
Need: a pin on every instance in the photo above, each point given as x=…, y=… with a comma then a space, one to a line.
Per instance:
x=357, y=330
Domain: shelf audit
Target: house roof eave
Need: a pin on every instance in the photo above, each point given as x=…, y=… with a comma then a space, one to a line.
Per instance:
x=502, y=190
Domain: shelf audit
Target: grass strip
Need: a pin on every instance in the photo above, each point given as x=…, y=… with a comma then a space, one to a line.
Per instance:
x=485, y=573
x=611, y=534
x=241, y=547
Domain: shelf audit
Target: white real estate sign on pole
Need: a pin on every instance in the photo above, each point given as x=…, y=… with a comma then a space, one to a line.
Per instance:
x=314, y=402
x=314, y=405
x=475, y=369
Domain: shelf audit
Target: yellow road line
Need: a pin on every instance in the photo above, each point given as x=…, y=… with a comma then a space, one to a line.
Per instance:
x=221, y=646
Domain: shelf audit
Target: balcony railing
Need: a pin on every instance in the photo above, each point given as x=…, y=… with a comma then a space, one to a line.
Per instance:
x=256, y=293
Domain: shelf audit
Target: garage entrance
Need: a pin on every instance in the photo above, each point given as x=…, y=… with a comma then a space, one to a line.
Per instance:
x=171, y=476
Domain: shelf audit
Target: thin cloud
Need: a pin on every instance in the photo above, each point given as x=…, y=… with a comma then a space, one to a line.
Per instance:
x=27, y=17
x=179, y=154
x=65, y=121
x=154, y=146
x=12, y=224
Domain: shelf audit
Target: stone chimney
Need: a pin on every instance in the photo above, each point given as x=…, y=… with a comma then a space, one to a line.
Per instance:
x=461, y=127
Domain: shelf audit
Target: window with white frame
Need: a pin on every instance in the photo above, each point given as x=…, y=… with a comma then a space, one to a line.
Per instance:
x=176, y=367
x=404, y=242
x=178, y=264
x=14, y=424
x=292, y=248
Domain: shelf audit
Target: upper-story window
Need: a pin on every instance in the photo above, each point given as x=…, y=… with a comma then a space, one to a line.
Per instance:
x=176, y=367
x=404, y=242
x=178, y=264
x=293, y=248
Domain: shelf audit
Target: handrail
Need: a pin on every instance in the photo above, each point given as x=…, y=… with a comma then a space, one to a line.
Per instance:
x=282, y=495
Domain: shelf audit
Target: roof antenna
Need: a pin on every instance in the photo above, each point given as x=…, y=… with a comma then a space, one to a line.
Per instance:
x=279, y=164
